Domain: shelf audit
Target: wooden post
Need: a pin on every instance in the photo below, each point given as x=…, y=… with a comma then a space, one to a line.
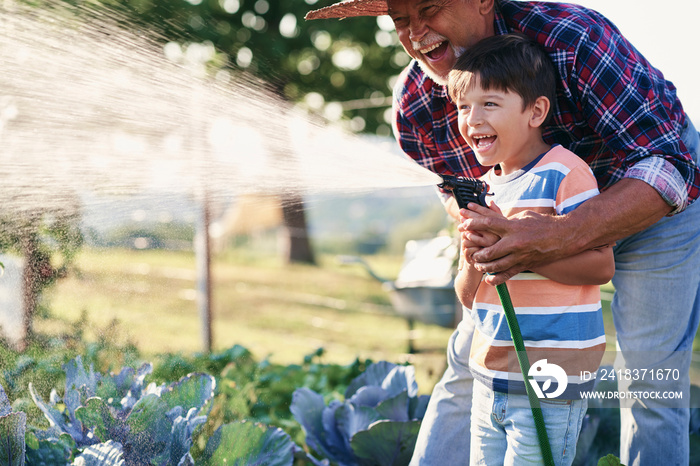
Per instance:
x=203, y=258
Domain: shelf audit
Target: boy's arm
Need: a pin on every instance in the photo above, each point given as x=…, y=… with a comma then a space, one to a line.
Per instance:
x=467, y=280
x=592, y=267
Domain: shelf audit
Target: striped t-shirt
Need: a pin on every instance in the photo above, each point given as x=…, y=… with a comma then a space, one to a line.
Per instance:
x=560, y=323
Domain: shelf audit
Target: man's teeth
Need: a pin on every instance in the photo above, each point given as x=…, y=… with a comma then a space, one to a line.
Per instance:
x=430, y=48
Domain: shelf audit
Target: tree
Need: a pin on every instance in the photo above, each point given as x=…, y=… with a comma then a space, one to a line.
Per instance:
x=47, y=239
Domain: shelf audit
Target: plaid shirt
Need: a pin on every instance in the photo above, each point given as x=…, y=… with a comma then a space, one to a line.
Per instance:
x=613, y=109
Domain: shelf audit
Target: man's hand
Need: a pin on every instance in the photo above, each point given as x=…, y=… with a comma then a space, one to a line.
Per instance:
x=526, y=240
x=498, y=243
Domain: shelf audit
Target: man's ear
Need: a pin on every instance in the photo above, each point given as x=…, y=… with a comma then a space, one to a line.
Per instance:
x=539, y=111
x=486, y=6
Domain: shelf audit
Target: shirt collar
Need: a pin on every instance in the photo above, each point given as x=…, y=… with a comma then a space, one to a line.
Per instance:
x=499, y=23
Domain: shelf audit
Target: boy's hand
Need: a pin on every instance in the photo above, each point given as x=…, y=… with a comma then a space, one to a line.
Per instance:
x=473, y=241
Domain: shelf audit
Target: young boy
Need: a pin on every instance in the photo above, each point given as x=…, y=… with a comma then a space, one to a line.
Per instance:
x=504, y=87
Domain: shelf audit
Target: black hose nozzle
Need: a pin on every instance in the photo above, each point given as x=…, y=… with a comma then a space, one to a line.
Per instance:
x=465, y=190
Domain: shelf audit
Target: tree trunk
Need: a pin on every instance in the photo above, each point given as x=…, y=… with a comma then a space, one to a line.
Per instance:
x=31, y=277
x=297, y=243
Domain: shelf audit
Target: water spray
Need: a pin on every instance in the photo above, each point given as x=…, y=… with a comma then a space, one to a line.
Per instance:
x=90, y=103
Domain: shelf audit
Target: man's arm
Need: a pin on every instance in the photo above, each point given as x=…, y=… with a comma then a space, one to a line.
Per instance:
x=644, y=126
x=530, y=240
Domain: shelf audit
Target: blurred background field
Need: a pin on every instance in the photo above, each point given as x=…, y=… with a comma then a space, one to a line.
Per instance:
x=276, y=310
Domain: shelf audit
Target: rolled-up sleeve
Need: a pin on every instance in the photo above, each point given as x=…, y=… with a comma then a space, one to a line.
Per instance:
x=663, y=176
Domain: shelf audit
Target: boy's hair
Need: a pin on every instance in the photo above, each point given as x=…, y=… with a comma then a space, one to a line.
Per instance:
x=510, y=62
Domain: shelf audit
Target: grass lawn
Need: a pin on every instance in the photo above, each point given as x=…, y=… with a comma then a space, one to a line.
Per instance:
x=282, y=312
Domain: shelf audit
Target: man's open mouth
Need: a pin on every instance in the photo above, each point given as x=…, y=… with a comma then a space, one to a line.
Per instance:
x=435, y=51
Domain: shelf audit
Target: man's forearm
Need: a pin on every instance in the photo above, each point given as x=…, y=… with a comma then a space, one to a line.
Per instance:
x=529, y=240
x=627, y=207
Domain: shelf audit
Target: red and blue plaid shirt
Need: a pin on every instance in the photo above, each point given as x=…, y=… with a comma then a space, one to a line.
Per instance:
x=613, y=109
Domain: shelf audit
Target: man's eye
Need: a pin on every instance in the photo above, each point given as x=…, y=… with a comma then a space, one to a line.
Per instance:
x=430, y=10
x=434, y=7
x=400, y=22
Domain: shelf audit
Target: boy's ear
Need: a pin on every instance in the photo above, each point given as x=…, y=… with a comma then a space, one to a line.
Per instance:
x=540, y=110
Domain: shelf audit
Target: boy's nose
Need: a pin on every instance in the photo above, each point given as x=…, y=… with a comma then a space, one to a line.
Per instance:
x=474, y=118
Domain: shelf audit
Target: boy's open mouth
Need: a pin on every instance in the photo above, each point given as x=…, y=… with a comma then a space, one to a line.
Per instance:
x=483, y=142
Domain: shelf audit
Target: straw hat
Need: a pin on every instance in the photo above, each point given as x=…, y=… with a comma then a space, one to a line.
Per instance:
x=350, y=8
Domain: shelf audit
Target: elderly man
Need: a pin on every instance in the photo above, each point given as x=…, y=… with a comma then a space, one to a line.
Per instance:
x=621, y=116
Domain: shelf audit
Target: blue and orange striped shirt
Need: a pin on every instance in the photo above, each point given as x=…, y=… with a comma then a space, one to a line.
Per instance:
x=560, y=323
x=614, y=109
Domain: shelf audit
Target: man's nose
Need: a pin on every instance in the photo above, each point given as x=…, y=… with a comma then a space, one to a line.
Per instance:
x=417, y=30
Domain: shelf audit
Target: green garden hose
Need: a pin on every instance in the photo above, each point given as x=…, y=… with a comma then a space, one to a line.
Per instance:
x=466, y=190
x=524, y=363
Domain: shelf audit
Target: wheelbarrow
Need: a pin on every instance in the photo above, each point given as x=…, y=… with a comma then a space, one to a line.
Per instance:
x=424, y=288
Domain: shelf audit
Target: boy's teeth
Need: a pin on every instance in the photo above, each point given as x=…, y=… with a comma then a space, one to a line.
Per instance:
x=483, y=141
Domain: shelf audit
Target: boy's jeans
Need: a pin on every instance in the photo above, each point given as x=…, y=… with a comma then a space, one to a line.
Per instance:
x=504, y=433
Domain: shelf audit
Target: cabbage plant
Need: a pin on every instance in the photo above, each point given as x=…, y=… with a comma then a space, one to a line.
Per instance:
x=377, y=423
x=251, y=444
x=12, y=430
x=115, y=420
x=118, y=420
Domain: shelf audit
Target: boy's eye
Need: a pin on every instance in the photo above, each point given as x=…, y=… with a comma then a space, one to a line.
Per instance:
x=490, y=104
